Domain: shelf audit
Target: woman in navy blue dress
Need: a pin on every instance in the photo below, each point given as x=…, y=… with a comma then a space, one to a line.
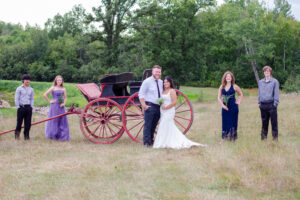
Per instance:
x=230, y=108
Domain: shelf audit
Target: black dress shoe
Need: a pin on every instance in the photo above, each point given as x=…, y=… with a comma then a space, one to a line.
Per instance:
x=146, y=145
x=17, y=135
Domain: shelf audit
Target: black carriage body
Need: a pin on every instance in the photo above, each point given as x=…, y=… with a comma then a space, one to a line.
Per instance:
x=114, y=87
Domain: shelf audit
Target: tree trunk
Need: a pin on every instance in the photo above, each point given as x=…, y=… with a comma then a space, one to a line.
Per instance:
x=253, y=64
x=284, y=55
x=254, y=68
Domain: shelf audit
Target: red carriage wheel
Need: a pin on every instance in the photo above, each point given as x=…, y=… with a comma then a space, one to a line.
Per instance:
x=184, y=113
x=133, y=118
x=101, y=122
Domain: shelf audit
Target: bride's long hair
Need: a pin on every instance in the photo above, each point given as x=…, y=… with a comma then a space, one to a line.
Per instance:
x=170, y=81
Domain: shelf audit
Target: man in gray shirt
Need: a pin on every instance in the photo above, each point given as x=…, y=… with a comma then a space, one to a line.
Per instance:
x=24, y=103
x=268, y=100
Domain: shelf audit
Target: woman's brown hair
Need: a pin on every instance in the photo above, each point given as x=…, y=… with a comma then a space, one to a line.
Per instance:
x=224, y=79
x=55, y=81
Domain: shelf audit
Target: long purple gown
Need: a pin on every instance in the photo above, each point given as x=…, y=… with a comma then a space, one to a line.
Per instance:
x=57, y=129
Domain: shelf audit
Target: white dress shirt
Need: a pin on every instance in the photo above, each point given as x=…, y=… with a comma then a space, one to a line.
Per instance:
x=148, y=90
x=24, y=96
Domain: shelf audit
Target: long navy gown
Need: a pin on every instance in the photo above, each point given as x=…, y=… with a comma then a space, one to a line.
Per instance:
x=230, y=117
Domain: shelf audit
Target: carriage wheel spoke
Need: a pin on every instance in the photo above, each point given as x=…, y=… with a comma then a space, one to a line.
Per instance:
x=179, y=124
x=135, y=118
x=93, y=109
x=99, y=131
x=116, y=114
x=86, y=125
x=99, y=108
x=182, y=118
x=111, y=130
x=116, y=125
x=135, y=125
x=106, y=107
x=93, y=133
x=135, y=105
x=115, y=117
x=111, y=111
x=180, y=105
x=133, y=112
x=183, y=111
x=88, y=120
x=92, y=113
x=139, y=131
x=88, y=115
x=105, y=132
x=102, y=131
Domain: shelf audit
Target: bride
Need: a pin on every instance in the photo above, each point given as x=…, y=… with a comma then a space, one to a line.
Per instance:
x=168, y=135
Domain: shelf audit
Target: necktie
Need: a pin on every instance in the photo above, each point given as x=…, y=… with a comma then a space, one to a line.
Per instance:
x=157, y=88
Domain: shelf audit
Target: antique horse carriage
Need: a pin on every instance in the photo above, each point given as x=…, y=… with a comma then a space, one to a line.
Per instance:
x=111, y=109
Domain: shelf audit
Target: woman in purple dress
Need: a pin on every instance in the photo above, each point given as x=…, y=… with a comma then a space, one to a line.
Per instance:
x=57, y=129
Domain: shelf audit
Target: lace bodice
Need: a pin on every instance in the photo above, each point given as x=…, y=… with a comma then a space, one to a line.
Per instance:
x=167, y=101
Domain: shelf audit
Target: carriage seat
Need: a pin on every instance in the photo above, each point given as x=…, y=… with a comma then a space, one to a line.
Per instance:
x=90, y=91
x=135, y=85
x=116, y=84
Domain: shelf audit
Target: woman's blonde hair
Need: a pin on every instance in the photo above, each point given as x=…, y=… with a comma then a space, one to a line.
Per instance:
x=224, y=79
x=55, y=81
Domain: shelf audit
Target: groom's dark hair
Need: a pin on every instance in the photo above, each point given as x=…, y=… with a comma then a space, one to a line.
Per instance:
x=170, y=81
x=26, y=77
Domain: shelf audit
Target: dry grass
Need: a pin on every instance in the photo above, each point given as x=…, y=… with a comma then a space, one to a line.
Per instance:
x=79, y=169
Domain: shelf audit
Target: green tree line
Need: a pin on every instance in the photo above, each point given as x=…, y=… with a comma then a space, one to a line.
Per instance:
x=195, y=41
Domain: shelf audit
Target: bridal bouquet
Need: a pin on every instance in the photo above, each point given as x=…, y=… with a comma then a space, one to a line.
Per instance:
x=160, y=101
x=226, y=98
x=60, y=99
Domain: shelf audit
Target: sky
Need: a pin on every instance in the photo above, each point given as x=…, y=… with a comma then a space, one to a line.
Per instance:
x=37, y=12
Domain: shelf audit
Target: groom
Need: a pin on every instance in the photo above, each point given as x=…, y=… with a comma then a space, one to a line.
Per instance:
x=150, y=91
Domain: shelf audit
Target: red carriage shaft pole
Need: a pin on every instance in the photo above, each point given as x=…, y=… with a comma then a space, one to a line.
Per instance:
x=70, y=111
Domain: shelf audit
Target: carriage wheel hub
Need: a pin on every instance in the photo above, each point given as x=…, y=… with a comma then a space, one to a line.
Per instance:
x=102, y=121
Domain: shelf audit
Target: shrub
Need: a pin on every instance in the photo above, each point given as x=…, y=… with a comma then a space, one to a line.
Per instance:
x=292, y=84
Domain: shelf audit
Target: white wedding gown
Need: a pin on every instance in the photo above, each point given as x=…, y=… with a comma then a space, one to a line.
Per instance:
x=168, y=135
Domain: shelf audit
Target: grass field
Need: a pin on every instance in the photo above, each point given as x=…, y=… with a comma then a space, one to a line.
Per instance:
x=79, y=169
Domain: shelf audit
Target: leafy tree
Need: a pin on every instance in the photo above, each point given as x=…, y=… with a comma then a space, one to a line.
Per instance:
x=282, y=7
x=111, y=16
x=72, y=23
x=169, y=34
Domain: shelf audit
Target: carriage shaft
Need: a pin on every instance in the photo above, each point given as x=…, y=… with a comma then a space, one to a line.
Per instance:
x=58, y=116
